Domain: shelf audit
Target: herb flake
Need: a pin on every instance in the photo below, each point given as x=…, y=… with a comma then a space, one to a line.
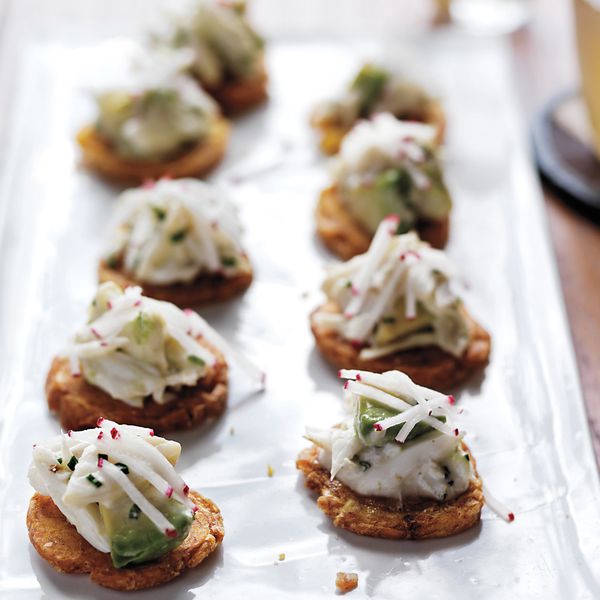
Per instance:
x=94, y=481
x=123, y=468
x=196, y=360
x=228, y=261
x=178, y=236
x=159, y=213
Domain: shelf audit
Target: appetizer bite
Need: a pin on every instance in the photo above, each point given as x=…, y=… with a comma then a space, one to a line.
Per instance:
x=385, y=167
x=164, y=125
x=228, y=54
x=141, y=361
x=397, y=467
x=179, y=240
x=109, y=502
x=375, y=89
x=395, y=308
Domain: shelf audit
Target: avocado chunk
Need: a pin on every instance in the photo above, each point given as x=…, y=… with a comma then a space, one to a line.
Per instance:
x=369, y=412
x=134, y=539
x=389, y=194
x=395, y=325
x=369, y=84
x=146, y=334
x=432, y=202
x=394, y=192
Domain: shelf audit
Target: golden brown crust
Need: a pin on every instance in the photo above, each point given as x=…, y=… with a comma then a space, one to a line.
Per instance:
x=58, y=542
x=346, y=237
x=381, y=517
x=236, y=97
x=206, y=289
x=80, y=404
x=333, y=135
x=198, y=160
x=429, y=366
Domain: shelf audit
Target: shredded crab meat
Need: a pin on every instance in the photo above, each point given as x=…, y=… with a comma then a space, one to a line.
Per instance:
x=415, y=404
x=395, y=268
x=102, y=337
x=159, y=472
x=395, y=390
x=147, y=218
x=395, y=382
x=374, y=256
x=96, y=476
x=381, y=303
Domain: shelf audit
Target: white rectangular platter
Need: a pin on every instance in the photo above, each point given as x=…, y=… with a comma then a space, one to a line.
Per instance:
x=525, y=417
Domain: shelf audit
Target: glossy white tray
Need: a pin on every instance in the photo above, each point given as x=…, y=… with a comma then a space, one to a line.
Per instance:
x=525, y=416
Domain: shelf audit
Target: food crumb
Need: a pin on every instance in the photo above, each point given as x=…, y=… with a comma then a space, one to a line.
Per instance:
x=281, y=556
x=48, y=544
x=346, y=582
x=270, y=471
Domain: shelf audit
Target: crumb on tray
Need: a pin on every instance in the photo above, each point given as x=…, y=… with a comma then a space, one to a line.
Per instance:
x=346, y=582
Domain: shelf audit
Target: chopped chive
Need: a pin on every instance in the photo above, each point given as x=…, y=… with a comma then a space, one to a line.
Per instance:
x=159, y=213
x=348, y=284
x=228, y=261
x=196, y=360
x=135, y=512
x=59, y=461
x=112, y=261
x=388, y=320
x=178, y=236
x=123, y=468
x=72, y=463
x=467, y=458
x=93, y=480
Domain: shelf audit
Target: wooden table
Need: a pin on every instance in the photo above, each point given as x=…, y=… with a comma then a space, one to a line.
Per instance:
x=546, y=62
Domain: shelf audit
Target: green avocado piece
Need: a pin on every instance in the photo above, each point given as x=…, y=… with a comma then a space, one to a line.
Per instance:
x=369, y=84
x=369, y=412
x=114, y=107
x=435, y=201
x=134, y=539
x=146, y=334
x=393, y=192
x=395, y=325
x=389, y=194
x=143, y=326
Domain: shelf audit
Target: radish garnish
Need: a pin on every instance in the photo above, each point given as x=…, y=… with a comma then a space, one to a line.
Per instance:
x=496, y=506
